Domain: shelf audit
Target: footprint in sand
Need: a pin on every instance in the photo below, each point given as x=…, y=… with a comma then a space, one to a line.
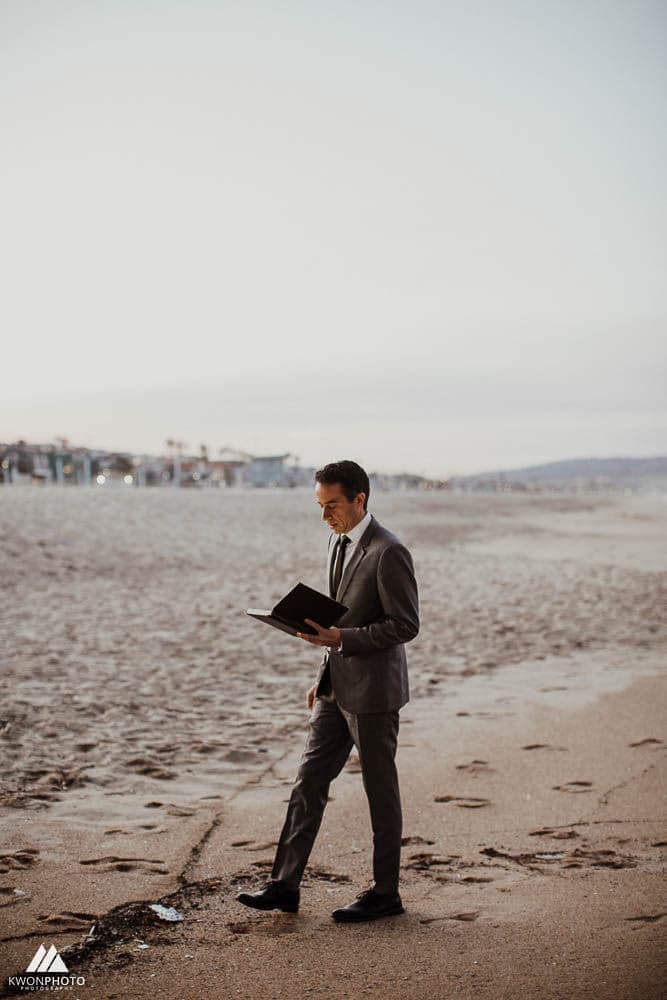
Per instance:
x=263, y=867
x=580, y=857
x=475, y=767
x=467, y=916
x=207, y=747
x=240, y=926
x=485, y=715
x=416, y=839
x=241, y=755
x=424, y=861
x=558, y=834
x=649, y=918
x=27, y=799
x=541, y=746
x=276, y=925
x=18, y=860
x=574, y=786
x=464, y=802
x=316, y=872
x=119, y=831
x=171, y=807
x=10, y=894
x=251, y=845
x=112, y=862
x=149, y=768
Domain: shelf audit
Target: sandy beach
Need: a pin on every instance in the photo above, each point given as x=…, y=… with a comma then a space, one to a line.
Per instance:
x=151, y=731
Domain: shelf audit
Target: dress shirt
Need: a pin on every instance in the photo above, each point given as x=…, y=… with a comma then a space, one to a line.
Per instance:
x=354, y=534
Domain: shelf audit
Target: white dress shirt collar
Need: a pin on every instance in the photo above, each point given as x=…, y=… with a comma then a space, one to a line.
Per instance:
x=354, y=534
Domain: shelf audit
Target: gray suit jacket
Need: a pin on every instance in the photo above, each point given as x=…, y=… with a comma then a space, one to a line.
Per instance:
x=378, y=586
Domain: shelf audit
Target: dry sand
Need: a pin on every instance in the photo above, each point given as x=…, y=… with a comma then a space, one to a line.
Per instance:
x=151, y=732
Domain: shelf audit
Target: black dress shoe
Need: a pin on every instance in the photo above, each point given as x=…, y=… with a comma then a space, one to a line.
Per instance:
x=274, y=896
x=369, y=906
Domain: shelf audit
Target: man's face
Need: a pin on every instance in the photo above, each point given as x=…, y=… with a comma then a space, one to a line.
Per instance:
x=339, y=513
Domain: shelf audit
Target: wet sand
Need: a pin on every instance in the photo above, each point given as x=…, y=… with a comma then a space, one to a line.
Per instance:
x=151, y=732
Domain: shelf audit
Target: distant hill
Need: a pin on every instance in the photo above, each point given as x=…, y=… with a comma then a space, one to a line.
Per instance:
x=614, y=472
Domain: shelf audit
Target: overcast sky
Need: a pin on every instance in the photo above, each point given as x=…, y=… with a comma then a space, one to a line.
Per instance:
x=428, y=236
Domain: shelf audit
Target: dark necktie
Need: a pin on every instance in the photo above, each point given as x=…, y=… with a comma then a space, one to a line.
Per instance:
x=337, y=561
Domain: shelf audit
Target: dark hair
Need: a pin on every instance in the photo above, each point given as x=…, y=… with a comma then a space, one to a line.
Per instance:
x=352, y=478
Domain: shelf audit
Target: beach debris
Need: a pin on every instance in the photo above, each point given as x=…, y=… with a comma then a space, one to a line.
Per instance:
x=579, y=857
x=143, y=946
x=134, y=923
x=20, y=892
x=169, y=913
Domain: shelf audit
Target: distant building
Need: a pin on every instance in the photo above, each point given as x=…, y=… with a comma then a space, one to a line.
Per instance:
x=268, y=470
x=228, y=469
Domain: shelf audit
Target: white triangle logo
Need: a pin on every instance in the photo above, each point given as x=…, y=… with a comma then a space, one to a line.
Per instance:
x=47, y=961
x=57, y=965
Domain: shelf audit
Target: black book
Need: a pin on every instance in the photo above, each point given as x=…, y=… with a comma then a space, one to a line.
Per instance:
x=301, y=602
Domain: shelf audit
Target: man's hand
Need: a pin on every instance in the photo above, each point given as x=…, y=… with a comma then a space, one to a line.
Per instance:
x=324, y=637
x=310, y=697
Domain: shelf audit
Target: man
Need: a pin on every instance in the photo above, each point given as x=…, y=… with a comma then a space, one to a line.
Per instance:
x=362, y=683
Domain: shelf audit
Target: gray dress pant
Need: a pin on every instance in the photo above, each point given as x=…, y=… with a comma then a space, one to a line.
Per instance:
x=332, y=733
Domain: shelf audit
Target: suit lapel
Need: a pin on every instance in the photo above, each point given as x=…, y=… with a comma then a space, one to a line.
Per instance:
x=358, y=555
x=331, y=538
